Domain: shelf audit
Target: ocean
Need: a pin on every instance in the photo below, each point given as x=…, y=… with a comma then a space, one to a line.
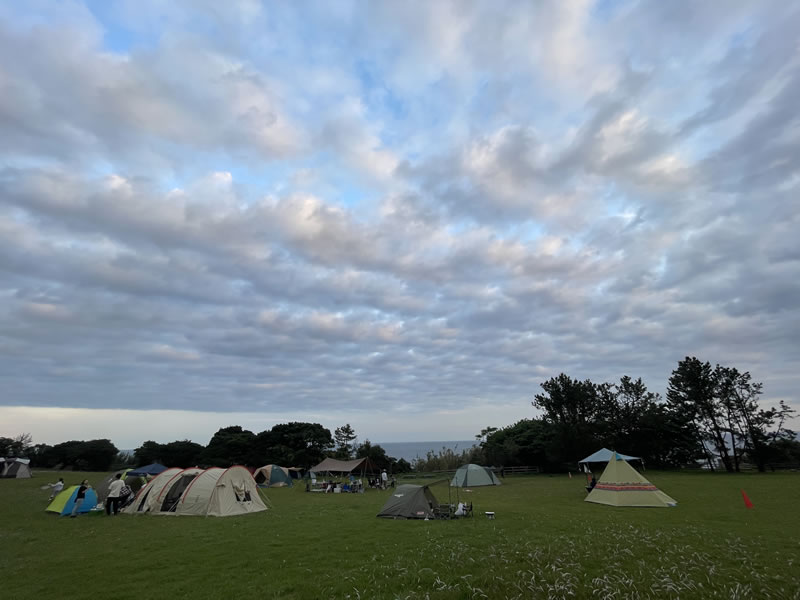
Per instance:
x=412, y=450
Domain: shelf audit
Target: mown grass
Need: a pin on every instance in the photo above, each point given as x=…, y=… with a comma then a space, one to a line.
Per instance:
x=545, y=543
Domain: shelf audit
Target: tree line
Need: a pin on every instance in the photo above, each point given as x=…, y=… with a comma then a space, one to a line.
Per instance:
x=710, y=414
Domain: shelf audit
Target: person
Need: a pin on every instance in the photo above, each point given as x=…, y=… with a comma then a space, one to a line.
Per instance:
x=57, y=487
x=591, y=485
x=112, y=500
x=79, y=497
x=384, y=479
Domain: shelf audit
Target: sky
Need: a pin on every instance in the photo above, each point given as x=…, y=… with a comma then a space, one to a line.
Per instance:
x=404, y=216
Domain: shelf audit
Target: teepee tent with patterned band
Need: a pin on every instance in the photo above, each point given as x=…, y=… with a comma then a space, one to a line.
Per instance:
x=621, y=485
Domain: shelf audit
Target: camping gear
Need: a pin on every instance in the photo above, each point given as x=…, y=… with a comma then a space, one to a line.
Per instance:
x=212, y=492
x=63, y=503
x=273, y=476
x=621, y=485
x=410, y=501
x=152, y=469
x=474, y=476
x=16, y=468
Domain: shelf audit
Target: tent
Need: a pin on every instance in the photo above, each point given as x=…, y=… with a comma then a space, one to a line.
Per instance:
x=16, y=468
x=153, y=469
x=212, y=492
x=604, y=455
x=621, y=485
x=63, y=503
x=359, y=465
x=273, y=476
x=410, y=502
x=474, y=476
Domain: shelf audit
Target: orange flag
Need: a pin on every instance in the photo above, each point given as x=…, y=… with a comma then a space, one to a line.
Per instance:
x=747, y=502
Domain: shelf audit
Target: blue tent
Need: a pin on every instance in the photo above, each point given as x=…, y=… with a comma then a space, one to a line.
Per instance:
x=153, y=469
x=604, y=455
x=63, y=503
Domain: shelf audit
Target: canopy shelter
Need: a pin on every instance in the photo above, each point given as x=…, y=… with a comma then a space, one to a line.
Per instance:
x=345, y=467
x=63, y=503
x=604, y=455
x=273, y=476
x=15, y=468
x=621, y=485
x=212, y=492
x=474, y=476
x=151, y=470
x=410, y=502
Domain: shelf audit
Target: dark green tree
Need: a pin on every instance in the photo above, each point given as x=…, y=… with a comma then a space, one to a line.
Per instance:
x=148, y=453
x=344, y=437
x=295, y=444
x=376, y=454
x=181, y=453
x=231, y=446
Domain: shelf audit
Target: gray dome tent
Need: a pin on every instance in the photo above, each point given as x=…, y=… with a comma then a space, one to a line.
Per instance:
x=410, y=502
x=474, y=476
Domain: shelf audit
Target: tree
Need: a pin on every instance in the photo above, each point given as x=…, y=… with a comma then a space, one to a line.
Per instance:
x=294, y=444
x=691, y=394
x=231, y=446
x=17, y=446
x=148, y=453
x=526, y=442
x=181, y=453
x=376, y=454
x=344, y=437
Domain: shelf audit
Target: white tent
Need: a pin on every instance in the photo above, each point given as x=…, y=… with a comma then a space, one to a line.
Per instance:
x=209, y=492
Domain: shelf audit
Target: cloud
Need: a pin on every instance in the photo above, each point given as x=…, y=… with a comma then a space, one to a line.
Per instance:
x=427, y=212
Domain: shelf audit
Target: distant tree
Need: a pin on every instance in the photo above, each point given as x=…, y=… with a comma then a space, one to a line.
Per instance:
x=294, y=444
x=39, y=455
x=148, y=453
x=486, y=431
x=376, y=454
x=526, y=442
x=691, y=395
x=402, y=466
x=344, y=437
x=183, y=453
x=17, y=446
x=230, y=446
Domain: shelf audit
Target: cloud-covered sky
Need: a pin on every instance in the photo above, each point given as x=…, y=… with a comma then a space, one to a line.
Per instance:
x=402, y=215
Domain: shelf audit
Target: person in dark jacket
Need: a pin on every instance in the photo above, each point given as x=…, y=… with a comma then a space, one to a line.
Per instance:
x=79, y=498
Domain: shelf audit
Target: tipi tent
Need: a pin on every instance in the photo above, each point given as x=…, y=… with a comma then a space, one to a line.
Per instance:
x=212, y=492
x=273, y=476
x=410, y=502
x=16, y=468
x=621, y=485
x=474, y=476
x=63, y=503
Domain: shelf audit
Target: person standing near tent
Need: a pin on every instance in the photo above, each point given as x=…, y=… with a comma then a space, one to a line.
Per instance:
x=112, y=500
x=79, y=497
x=384, y=479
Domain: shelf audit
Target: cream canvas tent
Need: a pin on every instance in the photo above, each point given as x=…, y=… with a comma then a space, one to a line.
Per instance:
x=621, y=485
x=212, y=492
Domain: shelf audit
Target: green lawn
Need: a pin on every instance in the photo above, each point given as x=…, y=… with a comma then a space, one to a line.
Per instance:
x=545, y=543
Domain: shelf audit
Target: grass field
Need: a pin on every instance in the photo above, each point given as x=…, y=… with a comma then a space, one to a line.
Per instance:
x=545, y=543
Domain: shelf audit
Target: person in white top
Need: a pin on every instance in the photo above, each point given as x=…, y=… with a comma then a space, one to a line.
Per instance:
x=112, y=500
x=384, y=479
x=57, y=487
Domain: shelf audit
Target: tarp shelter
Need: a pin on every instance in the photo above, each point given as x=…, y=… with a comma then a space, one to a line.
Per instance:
x=63, y=503
x=604, y=455
x=16, y=468
x=273, y=476
x=621, y=485
x=410, y=502
x=474, y=476
x=152, y=470
x=359, y=465
x=212, y=492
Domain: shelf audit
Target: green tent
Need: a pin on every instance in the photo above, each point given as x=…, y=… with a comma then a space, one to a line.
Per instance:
x=410, y=502
x=474, y=476
x=622, y=485
x=273, y=476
